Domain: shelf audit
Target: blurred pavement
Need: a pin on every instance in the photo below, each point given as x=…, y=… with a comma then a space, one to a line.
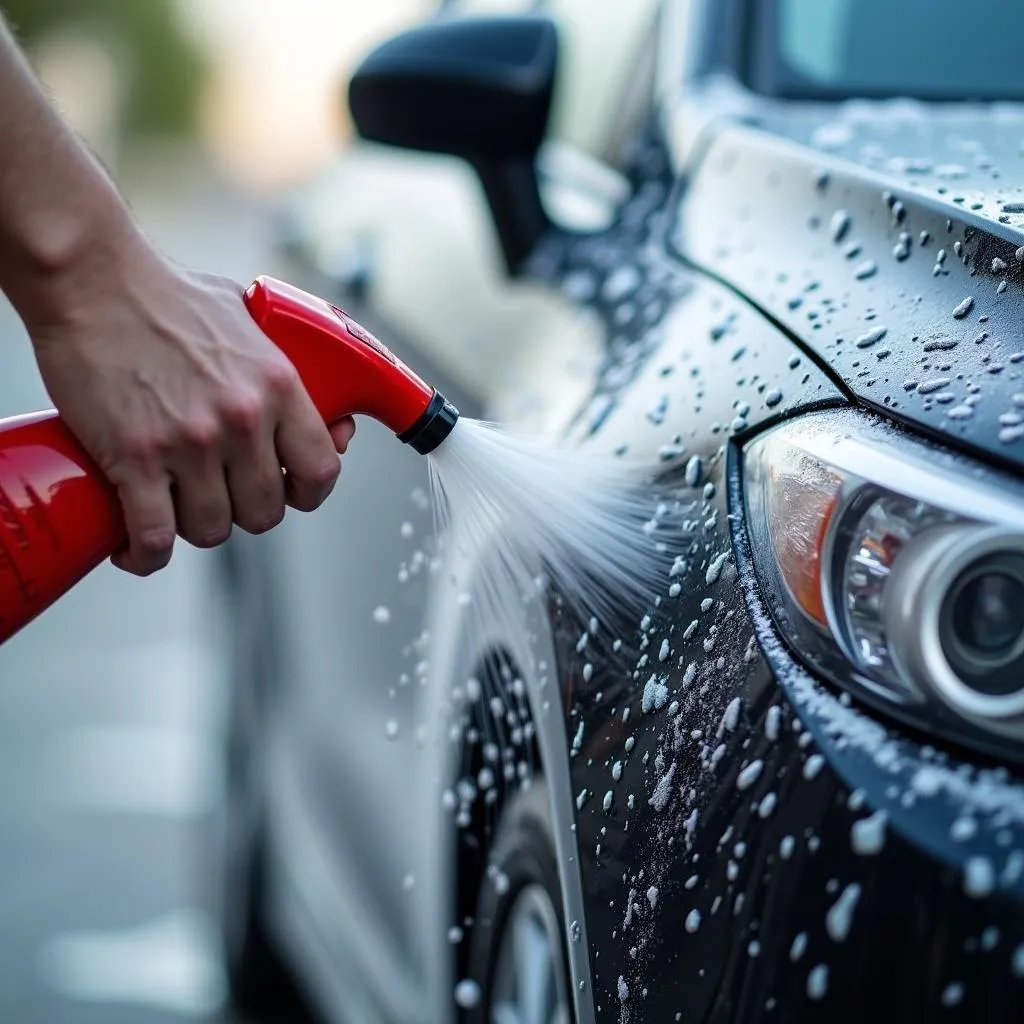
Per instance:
x=108, y=714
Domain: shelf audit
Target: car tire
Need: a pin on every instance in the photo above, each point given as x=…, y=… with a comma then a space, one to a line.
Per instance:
x=259, y=985
x=520, y=906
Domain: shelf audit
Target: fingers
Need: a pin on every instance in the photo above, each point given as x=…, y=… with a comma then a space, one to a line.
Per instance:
x=342, y=433
x=256, y=485
x=149, y=518
x=202, y=499
x=307, y=452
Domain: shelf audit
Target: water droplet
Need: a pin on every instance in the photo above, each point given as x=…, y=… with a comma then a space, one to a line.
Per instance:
x=817, y=982
x=1013, y=207
x=749, y=775
x=381, y=615
x=391, y=729
x=839, y=225
x=715, y=568
x=1017, y=961
x=656, y=414
x=865, y=270
x=839, y=919
x=692, y=922
x=953, y=993
x=621, y=282
x=979, y=877
x=455, y=935
x=1010, y=434
x=767, y=805
x=869, y=339
x=608, y=798
x=867, y=836
x=813, y=766
x=467, y=994
x=623, y=989
x=652, y=896
x=926, y=387
x=799, y=946
x=963, y=307
x=998, y=265
x=694, y=471
x=655, y=695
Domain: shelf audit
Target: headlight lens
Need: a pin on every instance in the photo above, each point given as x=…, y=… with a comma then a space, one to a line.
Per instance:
x=895, y=569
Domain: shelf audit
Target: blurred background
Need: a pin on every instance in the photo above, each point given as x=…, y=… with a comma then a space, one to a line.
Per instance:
x=205, y=111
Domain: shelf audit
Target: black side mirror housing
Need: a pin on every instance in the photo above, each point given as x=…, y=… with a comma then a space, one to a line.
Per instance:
x=475, y=87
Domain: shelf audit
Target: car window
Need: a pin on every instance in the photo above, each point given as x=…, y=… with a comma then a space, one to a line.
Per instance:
x=942, y=49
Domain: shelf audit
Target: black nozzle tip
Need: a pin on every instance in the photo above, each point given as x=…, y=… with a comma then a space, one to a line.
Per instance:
x=436, y=423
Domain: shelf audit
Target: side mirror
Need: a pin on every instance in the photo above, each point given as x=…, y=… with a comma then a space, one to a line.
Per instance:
x=475, y=87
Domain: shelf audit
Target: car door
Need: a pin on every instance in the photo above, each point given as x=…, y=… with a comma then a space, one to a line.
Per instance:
x=406, y=243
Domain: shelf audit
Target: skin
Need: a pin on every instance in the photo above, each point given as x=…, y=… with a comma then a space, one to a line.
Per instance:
x=193, y=414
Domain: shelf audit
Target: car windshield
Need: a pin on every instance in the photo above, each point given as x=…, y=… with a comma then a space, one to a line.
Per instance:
x=930, y=49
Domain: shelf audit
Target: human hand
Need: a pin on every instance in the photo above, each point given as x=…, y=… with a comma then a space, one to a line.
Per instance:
x=193, y=414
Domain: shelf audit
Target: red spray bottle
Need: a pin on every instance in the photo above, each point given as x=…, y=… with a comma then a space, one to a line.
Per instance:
x=59, y=516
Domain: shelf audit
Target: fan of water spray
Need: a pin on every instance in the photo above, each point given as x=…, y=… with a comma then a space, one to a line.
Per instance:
x=587, y=523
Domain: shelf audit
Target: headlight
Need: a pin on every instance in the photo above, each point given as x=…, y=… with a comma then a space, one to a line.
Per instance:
x=896, y=570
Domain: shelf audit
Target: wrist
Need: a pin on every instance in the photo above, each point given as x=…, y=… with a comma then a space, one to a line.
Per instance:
x=72, y=259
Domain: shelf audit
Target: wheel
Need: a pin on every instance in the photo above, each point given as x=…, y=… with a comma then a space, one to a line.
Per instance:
x=258, y=983
x=518, y=944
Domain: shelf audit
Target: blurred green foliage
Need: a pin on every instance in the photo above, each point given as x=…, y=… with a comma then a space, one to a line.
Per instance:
x=163, y=67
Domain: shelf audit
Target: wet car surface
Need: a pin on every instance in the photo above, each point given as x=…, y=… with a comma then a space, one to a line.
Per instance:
x=763, y=806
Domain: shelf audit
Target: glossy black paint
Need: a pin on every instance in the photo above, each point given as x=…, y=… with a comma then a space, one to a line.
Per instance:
x=762, y=855
x=835, y=250
x=478, y=88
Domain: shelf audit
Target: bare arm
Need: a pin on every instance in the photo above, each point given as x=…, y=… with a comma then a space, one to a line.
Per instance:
x=186, y=406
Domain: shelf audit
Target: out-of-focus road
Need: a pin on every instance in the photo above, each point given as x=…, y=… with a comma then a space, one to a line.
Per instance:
x=109, y=709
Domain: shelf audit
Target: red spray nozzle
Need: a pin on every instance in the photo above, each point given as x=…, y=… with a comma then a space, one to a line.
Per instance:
x=346, y=369
x=59, y=516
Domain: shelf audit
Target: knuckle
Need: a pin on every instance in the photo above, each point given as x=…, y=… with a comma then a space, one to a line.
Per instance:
x=142, y=448
x=280, y=377
x=325, y=475
x=243, y=412
x=155, y=543
x=201, y=432
x=154, y=550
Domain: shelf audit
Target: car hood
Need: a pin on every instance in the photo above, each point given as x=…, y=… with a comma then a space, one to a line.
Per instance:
x=888, y=240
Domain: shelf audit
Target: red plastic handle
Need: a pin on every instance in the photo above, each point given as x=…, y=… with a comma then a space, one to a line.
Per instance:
x=60, y=518
x=345, y=369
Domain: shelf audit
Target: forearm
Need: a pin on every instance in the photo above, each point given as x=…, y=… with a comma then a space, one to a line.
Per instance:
x=62, y=223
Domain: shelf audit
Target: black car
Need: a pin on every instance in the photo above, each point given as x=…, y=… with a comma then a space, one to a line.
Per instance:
x=780, y=256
